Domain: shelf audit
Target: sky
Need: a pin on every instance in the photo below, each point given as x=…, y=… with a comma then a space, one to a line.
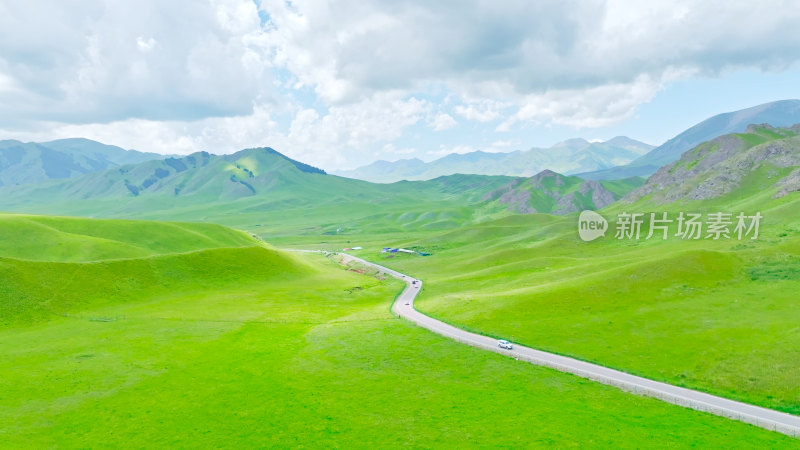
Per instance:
x=341, y=83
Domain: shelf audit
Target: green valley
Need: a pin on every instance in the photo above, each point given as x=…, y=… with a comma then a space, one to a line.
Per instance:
x=236, y=224
x=227, y=340
x=716, y=315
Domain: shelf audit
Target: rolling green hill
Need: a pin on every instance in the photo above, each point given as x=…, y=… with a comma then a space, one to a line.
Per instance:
x=64, y=239
x=198, y=335
x=716, y=315
x=54, y=265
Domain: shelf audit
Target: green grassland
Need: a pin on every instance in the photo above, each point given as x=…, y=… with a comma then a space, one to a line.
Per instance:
x=311, y=205
x=66, y=239
x=197, y=336
x=720, y=316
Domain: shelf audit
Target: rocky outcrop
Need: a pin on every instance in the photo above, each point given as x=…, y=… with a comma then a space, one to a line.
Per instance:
x=789, y=184
x=558, y=194
x=491, y=195
x=718, y=167
x=668, y=180
x=601, y=197
x=517, y=201
x=570, y=203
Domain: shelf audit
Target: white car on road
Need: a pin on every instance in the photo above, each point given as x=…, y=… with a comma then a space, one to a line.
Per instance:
x=502, y=343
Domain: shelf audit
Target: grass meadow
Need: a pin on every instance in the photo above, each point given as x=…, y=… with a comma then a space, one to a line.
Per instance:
x=719, y=316
x=198, y=336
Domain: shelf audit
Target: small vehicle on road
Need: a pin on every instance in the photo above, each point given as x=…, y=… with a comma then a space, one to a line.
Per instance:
x=502, y=343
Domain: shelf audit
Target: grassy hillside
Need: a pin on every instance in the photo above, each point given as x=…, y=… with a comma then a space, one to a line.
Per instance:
x=716, y=315
x=249, y=346
x=65, y=239
x=726, y=164
x=262, y=190
x=257, y=188
x=550, y=192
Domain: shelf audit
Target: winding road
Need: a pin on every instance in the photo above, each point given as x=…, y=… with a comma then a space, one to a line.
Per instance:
x=762, y=417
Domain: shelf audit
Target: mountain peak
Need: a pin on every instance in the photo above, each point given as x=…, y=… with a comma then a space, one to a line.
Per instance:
x=74, y=140
x=554, y=193
x=546, y=173
x=625, y=142
x=574, y=144
x=271, y=152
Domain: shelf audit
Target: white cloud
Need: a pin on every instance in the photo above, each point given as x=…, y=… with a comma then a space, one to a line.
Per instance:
x=477, y=113
x=342, y=135
x=443, y=121
x=503, y=144
x=513, y=50
x=390, y=149
x=353, y=126
x=7, y=84
x=145, y=45
x=336, y=80
x=446, y=150
x=97, y=61
x=585, y=108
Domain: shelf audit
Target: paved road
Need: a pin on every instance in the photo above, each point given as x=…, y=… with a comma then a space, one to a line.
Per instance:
x=762, y=417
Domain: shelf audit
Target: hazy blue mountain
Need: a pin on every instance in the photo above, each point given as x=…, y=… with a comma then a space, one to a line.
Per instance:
x=781, y=113
x=32, y=162
x=267, y=189
x=403, y=169
x=259, y=183
x=570, y=156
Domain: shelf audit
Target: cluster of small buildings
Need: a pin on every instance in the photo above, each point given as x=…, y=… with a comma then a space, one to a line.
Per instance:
x=395, y=250
x=390, y=250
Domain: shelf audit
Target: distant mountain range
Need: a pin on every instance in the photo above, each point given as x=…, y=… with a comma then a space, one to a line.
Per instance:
x=615, y=159
x=202, y=175
x=571, y=156
x=32, y=162
x=82, y=177
x=259, y=183
x=781, y=113
x=269, y=189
